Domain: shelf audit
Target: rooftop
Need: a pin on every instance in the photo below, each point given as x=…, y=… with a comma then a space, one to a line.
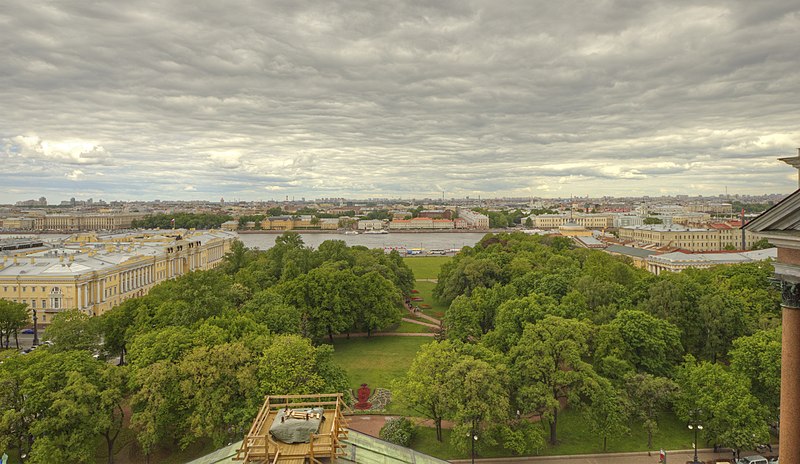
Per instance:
x=73, y=259
x=716, y=258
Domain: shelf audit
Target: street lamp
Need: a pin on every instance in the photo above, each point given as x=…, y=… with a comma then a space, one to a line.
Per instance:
x=35, y=329
x=474, y=439
x=696, y=427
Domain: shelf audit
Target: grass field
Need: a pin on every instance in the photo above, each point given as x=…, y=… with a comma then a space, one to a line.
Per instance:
x=575, y=437
x=376, y=361
x=426, y=267
x=425, y=289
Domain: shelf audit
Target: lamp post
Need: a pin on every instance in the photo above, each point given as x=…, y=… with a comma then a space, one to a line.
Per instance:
x=695, y=425
x=35, y=329
x=474, y=437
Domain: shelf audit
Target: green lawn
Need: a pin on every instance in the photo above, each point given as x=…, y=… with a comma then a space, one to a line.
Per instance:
x=575, y=437
x=425, y=289
x=376, y=361
x=426, y=267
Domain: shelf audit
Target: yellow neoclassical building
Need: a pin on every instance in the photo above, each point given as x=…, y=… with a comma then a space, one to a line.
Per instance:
x=94, y=274
x=714, y=238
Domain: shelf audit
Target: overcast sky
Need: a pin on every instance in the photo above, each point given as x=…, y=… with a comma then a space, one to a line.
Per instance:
x=260, y=100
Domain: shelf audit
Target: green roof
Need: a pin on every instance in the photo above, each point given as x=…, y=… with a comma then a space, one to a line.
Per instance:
x=360, y=448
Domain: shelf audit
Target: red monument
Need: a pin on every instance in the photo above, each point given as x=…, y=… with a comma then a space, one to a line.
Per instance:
x=363, y=397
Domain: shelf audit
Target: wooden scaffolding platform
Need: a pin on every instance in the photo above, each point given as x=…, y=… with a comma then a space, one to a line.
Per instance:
x=261, y=448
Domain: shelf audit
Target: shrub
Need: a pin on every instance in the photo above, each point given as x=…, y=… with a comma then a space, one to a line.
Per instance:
x=398, y=430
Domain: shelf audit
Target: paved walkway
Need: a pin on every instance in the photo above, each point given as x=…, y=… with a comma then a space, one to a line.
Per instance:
x=708, y=456
x=414, y=321
x=429, y=318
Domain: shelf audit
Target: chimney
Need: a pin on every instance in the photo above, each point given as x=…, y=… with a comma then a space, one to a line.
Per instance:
x=60, y=258
x=71, y=258
x=33, y=260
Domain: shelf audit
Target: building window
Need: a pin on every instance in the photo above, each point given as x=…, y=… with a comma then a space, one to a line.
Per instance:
x=33, y=304
x=44, y=304
x=25, y=302
x=44, y=289
x=55, y=298
x=24, y=288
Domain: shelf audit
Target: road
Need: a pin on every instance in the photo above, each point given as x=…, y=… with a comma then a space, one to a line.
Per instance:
x=708, y=456
x=25, y=340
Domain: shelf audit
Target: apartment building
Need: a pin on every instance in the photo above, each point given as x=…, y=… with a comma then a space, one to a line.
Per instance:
x=589, y=221
x=370, y=224
x=96, y=276
x=474, y=220
x=408, y=224
x=715, y=238
x=678, y=261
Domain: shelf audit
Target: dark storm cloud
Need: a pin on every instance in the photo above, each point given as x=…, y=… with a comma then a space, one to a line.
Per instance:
x=309, y=98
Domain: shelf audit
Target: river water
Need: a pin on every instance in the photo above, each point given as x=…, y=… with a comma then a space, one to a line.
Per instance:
x=398, y=240
x=426, y=241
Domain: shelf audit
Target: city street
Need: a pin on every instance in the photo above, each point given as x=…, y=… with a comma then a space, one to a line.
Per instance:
x=25, y=341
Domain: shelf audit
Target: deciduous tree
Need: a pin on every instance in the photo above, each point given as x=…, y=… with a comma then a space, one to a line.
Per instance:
x=479, y=401
x=425, y=387
x=650, y=344
x=649, y=397
x=13, y=317
x=73, y=330
x=731, y=416
x=758, y=357
x=547, y=366
x=607, y=411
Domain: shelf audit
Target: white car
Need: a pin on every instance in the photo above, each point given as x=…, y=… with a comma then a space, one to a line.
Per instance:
x=755, y=459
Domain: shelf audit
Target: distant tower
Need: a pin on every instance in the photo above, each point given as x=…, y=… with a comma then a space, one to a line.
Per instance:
x=222, y=201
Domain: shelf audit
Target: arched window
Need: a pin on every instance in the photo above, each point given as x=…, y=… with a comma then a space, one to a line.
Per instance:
x=55, y=298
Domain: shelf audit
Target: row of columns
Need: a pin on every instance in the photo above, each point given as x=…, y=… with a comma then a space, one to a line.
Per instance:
x=136, y=278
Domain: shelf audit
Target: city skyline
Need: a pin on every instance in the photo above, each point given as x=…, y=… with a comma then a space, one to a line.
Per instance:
x=138, y=101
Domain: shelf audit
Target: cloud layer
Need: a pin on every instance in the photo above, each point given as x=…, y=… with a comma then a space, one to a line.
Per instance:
x=260, y=100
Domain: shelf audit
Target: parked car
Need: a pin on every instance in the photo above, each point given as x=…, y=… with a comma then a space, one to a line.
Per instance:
x=755, y=459
x=27, y=331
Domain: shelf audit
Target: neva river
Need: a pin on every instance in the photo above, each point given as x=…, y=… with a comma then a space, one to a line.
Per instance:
x=429, y=241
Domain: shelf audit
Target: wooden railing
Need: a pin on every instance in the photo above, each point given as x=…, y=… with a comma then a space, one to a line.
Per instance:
x=258, y=446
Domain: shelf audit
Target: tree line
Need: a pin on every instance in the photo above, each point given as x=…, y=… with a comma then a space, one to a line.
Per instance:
x=534, y=324
x=198, y=354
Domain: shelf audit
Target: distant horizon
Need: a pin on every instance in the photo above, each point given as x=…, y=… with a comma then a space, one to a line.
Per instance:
x=721, y=196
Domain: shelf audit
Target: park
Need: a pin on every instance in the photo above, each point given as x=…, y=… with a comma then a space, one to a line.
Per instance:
x=524, y=344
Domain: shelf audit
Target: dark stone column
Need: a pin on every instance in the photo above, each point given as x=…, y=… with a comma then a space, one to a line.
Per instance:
x=790, y=374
